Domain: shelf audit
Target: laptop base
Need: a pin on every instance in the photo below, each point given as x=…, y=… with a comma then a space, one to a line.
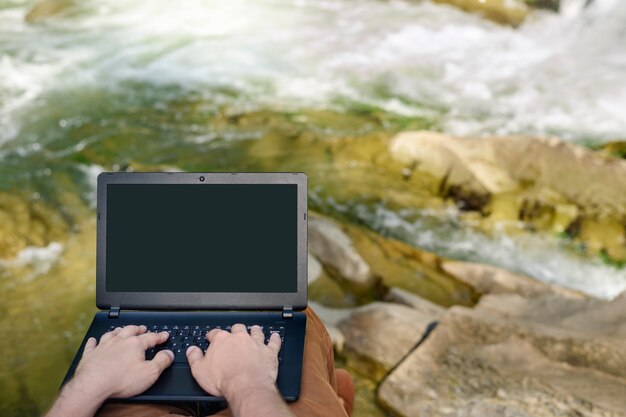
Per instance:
x=176, y=383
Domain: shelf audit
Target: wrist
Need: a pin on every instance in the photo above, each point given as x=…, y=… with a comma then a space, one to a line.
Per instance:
x=247, y=387
x=86, y=390
x=77, y=399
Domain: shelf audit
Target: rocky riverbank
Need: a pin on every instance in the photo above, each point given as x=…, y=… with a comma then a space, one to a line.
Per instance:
x=537, y=183
x=364, y=282
x=526, y=349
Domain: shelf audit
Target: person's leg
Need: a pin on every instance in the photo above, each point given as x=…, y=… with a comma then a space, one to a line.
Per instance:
x=145, y=410
x=345, y=389
x=318, y=391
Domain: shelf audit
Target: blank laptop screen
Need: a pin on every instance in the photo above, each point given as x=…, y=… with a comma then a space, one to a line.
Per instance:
x=201, y=238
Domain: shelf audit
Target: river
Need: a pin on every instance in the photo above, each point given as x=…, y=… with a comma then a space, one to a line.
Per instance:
x=226, y=86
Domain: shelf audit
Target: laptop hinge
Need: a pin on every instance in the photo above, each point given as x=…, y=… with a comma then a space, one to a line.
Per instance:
x=287, y=312
x=114, y=312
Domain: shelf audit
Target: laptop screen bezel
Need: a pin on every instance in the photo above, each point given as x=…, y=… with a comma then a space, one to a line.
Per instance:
x=201, y=300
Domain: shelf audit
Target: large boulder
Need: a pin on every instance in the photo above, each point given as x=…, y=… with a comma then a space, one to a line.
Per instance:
x=513, y=356
x=366, y=264
x=503, y=164
x=378, y=335
x=546, y=183
x=334, y=249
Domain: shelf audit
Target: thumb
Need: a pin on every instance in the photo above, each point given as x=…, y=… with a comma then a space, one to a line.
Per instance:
x=194, y=354
x=163, y=359
x=90, y=345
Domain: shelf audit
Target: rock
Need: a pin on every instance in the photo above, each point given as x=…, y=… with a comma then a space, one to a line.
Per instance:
x=379, y=335
x=615, y=149
x=329, y=292
x=331, y=318
x=333, y=248
x=501, y=164
x=547, y=356
x=314, y=269
x=544, y=182
x=488, y=279
x=375, y=337
x=404, y=266
x=590, y=316
x=46, y=9
x=28, y=221
x=337, y=337
x=344, y=248
x=553, y=5
x=512, y=12
x=400, y=296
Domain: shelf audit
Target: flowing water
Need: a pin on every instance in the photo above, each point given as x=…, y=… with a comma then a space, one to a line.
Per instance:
x=270, y=85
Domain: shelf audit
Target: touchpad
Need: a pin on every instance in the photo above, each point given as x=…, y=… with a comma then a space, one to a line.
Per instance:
x=177, y=381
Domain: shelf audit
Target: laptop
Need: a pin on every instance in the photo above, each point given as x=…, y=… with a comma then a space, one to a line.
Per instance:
x=191, y=252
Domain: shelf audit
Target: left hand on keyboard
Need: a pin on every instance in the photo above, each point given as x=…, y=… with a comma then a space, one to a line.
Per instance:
x=117, y=367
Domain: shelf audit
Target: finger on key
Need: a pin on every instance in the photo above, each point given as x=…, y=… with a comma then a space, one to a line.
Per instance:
x=133, y=330
x=215, y=334
x=194, y=354
x=109, y=335
x=274, y=343
x=238, y=328
x=152, y=339
x=257, y=334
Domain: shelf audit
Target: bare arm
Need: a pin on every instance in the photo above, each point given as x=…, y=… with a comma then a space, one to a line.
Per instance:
x=240, y=367
x=115, y=368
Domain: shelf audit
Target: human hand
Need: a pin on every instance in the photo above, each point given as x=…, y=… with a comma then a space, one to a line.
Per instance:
x=235, y=361
x=117, y=366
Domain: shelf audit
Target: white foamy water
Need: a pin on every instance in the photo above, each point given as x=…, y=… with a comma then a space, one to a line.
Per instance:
x=39, y=260
x=562, y=74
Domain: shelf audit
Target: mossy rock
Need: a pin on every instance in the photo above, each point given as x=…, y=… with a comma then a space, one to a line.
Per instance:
x=552, y=5
x=401, y=265
x=526, y=184
x=511, y=12
x=615, y=149
x=47, y=9
x=25, y=221
x=328, y=292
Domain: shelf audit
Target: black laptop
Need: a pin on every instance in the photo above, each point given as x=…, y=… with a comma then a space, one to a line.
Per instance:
x=191, y=252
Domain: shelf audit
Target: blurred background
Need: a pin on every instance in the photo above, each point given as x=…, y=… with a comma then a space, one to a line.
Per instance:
x=515, y=113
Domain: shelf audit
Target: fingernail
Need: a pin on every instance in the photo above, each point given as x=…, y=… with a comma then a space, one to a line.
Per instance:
x=189, y=349
x=169, y=352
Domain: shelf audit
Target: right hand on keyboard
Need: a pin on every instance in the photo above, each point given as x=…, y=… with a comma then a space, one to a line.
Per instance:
x=235, y=361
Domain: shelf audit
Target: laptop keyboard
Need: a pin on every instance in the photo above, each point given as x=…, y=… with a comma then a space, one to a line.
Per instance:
x=183, y=336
